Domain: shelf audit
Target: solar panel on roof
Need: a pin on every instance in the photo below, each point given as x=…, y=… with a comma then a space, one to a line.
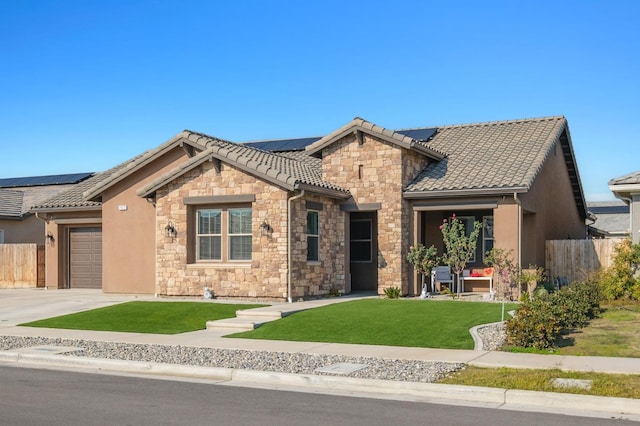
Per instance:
x=65, y=179
x=282, y=145
x=419, y=134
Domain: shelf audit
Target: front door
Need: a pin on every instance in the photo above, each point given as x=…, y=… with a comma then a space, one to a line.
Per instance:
x=363, y=251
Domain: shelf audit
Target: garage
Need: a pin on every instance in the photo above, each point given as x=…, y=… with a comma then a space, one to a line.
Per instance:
x=85, y=258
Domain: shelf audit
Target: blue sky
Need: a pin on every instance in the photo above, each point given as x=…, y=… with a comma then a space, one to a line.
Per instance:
x=85, y=85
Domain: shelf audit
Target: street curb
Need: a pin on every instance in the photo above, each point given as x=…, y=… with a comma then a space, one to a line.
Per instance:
x=494, y=396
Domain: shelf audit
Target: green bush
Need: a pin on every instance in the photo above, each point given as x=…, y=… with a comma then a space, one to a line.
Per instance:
x=539, y=322
x=620, y=280
x=534, y=326
x=392, y=292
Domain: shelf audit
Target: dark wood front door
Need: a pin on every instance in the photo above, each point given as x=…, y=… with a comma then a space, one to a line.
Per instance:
x=363, y=251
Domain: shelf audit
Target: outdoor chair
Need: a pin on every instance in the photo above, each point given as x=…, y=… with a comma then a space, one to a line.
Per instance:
x=441, y=275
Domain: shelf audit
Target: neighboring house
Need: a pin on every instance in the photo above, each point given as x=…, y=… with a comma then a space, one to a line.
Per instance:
x=18, y=195
x=297, y=218
x=610, y=219
x=627, y=188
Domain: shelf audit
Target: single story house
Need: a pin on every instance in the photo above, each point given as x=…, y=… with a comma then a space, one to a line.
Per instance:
x=298, y=218
x=627, y=188
x=18, y=225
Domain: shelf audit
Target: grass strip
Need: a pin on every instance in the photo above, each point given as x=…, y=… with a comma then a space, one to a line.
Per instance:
x=616, y=385
x=145, y=317
x=411, y=323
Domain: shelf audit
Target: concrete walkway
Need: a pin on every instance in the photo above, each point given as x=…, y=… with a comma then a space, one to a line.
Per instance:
x=18, y=306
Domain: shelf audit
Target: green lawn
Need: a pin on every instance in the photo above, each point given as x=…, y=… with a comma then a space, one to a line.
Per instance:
x=413, y=323
x=145, y=317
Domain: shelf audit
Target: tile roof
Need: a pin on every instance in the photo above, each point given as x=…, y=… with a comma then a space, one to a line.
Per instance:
x=500, y=155
x=629, y=179
x=285, y=171
x=11, y=203
x=612, y=217
x=72, y=198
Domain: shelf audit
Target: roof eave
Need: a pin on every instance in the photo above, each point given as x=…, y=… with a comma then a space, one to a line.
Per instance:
x=332, y=193
x=65, y=209
x=413, y=195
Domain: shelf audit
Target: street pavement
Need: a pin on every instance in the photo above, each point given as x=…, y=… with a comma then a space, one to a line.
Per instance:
x=22, y=305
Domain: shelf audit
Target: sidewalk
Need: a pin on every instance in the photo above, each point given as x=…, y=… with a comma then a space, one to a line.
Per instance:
x=212, y=338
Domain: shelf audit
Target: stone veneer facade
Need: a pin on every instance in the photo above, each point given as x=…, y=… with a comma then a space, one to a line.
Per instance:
x=265, y=276
x=376, y=171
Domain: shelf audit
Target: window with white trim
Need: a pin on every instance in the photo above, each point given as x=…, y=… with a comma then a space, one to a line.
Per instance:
x=313, y=236
x=223, y=234
x=487, y=235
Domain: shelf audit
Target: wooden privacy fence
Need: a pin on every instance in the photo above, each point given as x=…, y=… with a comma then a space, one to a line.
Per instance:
x=578, y=259
x=21, y=266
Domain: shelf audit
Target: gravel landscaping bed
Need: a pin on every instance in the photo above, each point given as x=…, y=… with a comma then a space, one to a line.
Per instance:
x=376, y=368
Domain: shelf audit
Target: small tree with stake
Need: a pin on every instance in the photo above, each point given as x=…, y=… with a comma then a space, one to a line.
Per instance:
x=459, y=247
x=423, y=259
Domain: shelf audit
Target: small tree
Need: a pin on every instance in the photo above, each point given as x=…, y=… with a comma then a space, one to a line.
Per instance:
x=423, y=259
x=459, y=247
x=620, y=280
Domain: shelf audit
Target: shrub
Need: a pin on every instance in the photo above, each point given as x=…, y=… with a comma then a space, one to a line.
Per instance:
x=620, y=280
x=539, y=322
x=534, y=326
x=392, y=292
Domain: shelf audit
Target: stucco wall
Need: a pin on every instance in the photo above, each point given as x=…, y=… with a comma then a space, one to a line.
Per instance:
x=635, y=219
x=29, y=230
x=128, y=230
x=556, y=215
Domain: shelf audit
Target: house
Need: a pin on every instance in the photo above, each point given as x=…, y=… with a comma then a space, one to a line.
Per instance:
x=299, y=218
x=610, y=219
x=627, y=188
x=17, y=195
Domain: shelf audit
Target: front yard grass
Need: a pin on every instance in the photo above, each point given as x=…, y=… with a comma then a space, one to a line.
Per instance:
x=145, y=317
x=618, y=385
x=412, y=323
x=613, y=334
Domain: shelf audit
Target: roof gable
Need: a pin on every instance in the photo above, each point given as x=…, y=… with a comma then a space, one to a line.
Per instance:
x=284, y=171
x=137, y=163
x=394, y=137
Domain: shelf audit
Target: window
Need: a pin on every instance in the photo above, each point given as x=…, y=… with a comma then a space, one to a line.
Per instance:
x=468, y=222
x=240, y=234
x=313, y=236
x=360, y=241
x=487, y=235
x=223, y=234
x=209, y=234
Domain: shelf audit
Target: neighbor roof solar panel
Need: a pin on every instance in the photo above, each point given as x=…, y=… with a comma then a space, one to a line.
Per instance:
x=283, y=144
x=419, y=134
x=44, y=180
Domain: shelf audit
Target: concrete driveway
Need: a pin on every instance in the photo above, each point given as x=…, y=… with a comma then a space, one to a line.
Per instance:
x=22, y=305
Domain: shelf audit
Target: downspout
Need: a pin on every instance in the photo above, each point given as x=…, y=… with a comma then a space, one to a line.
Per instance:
x=46, y=221
x=289, y=232
x=515, y=198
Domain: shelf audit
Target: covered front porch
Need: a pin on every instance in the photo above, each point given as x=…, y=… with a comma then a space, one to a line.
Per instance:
x=501, y=221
